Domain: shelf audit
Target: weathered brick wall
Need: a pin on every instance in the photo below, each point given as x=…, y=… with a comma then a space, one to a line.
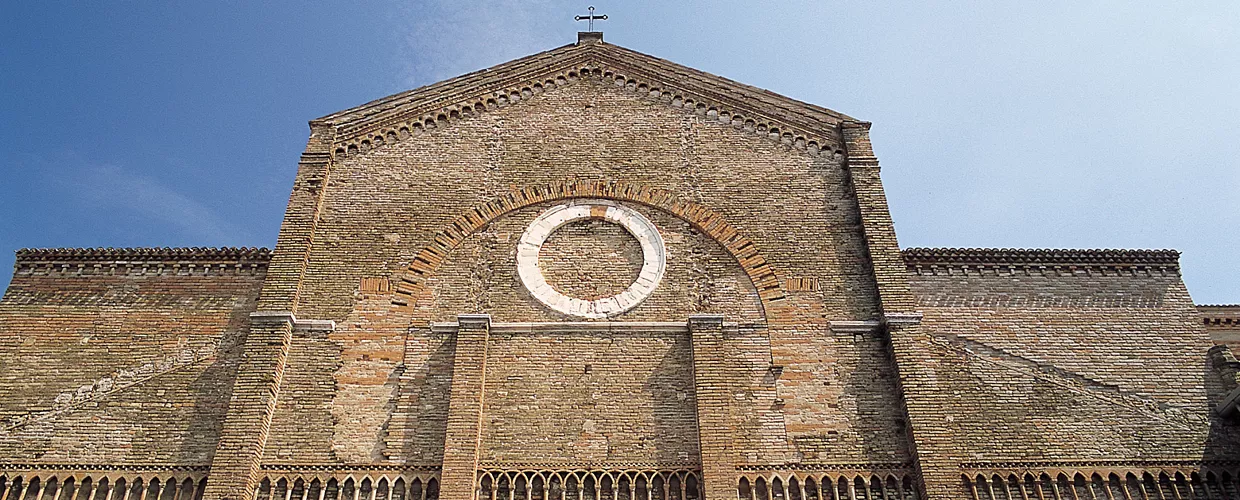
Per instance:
x=818, y=355
x=1222, y=322
x=829, y=399
x=589, y=397
x=481, y=275
x=1059, y=361
x=122, y=356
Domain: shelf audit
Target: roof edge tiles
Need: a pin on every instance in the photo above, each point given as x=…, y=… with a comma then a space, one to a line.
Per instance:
x=1222, y=315
x=915, y=257
x=100, y=255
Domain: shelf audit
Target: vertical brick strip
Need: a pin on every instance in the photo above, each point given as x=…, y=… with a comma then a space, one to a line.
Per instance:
x=464, y=432
x=939, y=476
x=282, y=289
x=712, y=390
x=235, y=467
x=238, y=456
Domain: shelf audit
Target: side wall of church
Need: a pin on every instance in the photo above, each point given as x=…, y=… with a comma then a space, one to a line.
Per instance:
x=1071, y=366
x=1223, y=323
x=123, y=358
x=370, y=392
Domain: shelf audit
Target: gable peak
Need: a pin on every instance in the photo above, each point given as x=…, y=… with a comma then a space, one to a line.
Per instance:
x=719, y=100
x=584, y=37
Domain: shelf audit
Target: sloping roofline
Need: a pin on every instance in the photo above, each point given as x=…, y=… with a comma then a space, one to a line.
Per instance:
x=745, y=106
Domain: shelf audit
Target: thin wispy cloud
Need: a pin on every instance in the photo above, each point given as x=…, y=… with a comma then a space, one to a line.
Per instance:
x=447, y=38
x=109, y=187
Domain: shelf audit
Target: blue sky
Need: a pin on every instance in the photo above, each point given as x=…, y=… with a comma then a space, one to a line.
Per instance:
x=1082, y=124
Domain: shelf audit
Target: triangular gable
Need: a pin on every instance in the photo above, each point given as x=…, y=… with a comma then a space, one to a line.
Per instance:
x=746, y=107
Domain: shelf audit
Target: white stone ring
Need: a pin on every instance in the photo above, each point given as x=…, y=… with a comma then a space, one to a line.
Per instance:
x=654, y=260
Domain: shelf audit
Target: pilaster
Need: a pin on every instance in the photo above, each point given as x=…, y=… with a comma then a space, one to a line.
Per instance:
x=938, y=473
x=714, y=417
x=238, y=455
x=464, y=430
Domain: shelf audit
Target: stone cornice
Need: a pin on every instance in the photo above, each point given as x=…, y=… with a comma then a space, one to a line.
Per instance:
x=318, y=325
x=799, y=125
x=592, y=326
x=922, y=259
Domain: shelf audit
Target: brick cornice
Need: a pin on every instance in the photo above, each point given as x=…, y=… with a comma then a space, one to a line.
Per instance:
x=96, y=255
x=719, y=100
x=1220, y=315
x=1012, y=257
x=1086, y=463
x=305, y=468
x=140, y=261
x=88, y=467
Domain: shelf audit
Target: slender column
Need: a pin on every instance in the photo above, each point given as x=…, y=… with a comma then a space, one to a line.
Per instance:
x=21, y=489
x=464, y=432
x=60, y=492
x=42, y=490
x=115, y=493
x=711, y=384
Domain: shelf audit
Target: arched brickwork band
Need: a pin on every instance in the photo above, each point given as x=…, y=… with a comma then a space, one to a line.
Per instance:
x=682, y=484
x=115, y=485
x=1119, y=484
x=365, y=485
x=834, y=485
x=709, y=222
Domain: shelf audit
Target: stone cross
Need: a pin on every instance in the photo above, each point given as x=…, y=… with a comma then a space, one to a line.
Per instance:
x=591, y=18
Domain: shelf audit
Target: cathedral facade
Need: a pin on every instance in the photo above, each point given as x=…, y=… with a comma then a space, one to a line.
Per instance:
x=593, y=274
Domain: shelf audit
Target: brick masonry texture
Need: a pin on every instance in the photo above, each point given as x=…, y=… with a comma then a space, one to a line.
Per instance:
x=586, y=397
x=1223, y=323
x=122, y=356
x=388, y=348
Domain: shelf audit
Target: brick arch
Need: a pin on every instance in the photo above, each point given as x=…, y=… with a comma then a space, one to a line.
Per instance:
x=711, y=223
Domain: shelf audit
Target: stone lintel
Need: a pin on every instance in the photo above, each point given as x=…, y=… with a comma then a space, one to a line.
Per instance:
x=902, y=318
x=705, y=320
x=314, y=325
x=473, y=320
x=855, y=327
x=597, y=326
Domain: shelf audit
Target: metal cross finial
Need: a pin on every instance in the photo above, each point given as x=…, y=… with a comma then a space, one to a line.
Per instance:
x=591, y=18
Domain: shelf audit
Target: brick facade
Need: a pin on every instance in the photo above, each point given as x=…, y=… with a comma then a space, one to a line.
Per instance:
x=1222, y=322
x=388, y=347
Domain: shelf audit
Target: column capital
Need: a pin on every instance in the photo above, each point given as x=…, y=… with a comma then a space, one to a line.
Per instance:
x=474, y=320
x=705, y=320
